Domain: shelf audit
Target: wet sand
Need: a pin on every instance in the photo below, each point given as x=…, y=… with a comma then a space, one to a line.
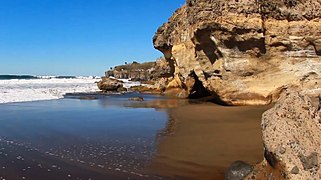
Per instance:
x=110, y=137
x=107, y=138
x=204, y=139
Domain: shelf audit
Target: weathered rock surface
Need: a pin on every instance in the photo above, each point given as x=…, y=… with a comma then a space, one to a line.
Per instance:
x=244, y=51
x=141, y=71
x=292, y=140
x=109, y=84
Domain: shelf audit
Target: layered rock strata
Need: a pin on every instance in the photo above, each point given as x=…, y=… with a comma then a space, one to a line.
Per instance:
x=243, y=51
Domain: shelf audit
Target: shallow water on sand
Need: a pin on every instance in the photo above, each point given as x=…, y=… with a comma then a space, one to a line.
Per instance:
x=100, y=139
x=110, y=137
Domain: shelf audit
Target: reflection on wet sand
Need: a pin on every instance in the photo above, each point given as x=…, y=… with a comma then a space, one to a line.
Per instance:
x=155, y=104
x=158, y=104
x=123, y=100
x=202, y=140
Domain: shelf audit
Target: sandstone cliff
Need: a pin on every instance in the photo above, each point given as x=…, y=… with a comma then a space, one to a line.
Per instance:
x=244, y=51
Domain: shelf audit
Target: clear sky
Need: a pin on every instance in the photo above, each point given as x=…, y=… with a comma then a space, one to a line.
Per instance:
x=78, y=37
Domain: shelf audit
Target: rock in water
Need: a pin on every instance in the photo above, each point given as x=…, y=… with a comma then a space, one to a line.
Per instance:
x=136, y=99
x=238, y=171
x=292, y=140
x=244, y=51
x=109, y=84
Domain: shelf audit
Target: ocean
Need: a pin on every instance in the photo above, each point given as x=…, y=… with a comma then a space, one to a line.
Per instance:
x=10, y=77
x=23, y=88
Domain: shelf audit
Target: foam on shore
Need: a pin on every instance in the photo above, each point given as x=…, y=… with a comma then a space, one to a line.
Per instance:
x=21, y=90
x=49, y=87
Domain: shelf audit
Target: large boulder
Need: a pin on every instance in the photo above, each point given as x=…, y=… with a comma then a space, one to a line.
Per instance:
x=244, y=51
x=109, y=84
x=292, y=140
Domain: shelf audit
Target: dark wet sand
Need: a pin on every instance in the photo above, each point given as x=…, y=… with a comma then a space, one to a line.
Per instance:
x=204, y=139
x=20, y=162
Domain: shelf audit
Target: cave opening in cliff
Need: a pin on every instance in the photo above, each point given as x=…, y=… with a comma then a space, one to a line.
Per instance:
x=198, y=90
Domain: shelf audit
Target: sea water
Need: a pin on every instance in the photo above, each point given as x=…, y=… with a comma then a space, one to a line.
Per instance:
x=22, y=88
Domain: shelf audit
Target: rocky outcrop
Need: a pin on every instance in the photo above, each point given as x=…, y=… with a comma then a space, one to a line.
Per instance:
x=109, y=84
x=141, y=71
x=292, y=140
x=244, y=51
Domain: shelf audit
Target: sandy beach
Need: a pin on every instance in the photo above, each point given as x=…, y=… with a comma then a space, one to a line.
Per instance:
x=111, y=136
x=202, y=140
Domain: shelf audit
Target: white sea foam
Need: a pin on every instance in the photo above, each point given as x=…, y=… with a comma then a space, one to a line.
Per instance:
x=44, y=89
x=128, y=83
x=48, y=87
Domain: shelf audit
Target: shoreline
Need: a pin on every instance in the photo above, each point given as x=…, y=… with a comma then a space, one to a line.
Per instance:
x=201, y=139
x=204, y=136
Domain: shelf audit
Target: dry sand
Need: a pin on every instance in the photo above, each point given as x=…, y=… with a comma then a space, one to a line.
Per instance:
x=202, y=140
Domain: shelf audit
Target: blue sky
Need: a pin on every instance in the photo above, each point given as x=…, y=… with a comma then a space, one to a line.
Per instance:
x=78, y=37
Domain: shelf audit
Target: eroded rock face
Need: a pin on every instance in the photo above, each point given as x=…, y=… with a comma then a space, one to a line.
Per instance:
x=292, y=140
x=245, y=51
x=141, y=71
